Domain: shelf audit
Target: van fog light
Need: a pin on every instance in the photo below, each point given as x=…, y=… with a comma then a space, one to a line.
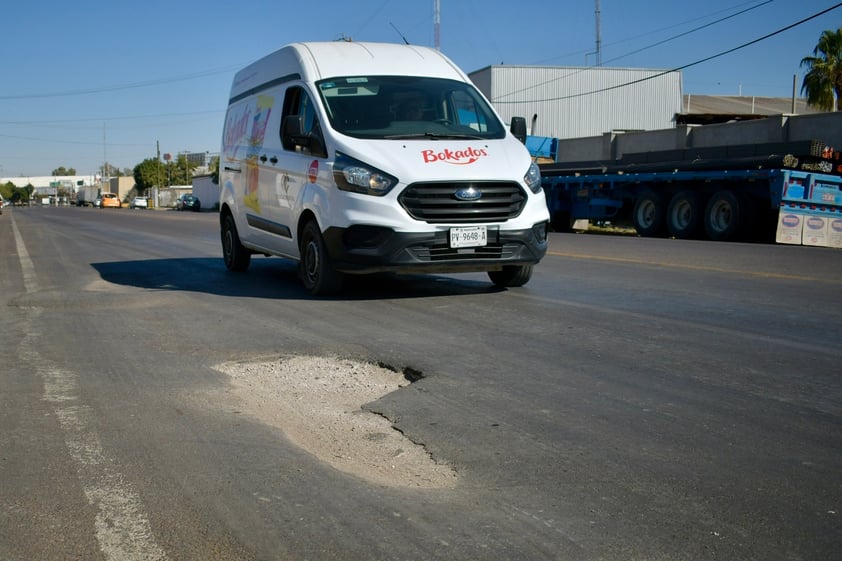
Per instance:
x=540, y=231
x=365, y=236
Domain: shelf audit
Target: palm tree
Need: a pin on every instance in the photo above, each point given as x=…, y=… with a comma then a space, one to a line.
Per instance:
x=823, y=80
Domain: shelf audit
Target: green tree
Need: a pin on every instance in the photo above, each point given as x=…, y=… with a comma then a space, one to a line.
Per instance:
x=7, y=190
x=107, y=170
x=823, y=80
x=149, y=173
x=214, y=167
x=22, y=194
x=61, y=170
x=181, y=171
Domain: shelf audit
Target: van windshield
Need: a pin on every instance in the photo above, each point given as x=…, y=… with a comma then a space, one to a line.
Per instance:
x=407, y=107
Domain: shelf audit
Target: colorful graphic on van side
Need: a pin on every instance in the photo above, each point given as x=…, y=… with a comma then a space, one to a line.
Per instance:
x=236, y=126
x=255, y=144
x=313, y=171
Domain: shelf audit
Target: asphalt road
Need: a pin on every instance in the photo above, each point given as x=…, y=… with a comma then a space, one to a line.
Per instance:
x=639, y=399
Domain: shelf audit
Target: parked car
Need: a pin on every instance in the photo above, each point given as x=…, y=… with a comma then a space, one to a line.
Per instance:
x=188, y=202
x=110, y=200
x=98, y=201
x=139, y=202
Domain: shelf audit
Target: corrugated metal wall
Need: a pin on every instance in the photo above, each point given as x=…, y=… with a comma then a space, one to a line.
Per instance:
x=570, y=102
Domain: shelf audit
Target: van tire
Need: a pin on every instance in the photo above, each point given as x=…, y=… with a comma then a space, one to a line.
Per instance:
x=511, y=276
x=317, y=274
x=237, y=258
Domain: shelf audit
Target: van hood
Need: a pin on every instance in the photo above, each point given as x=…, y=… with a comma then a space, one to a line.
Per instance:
x=413, y=160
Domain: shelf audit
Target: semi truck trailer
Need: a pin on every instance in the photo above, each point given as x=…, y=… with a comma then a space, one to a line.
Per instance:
x=792, y=192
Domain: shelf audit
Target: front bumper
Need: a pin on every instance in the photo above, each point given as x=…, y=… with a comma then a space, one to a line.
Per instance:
x=370, y=249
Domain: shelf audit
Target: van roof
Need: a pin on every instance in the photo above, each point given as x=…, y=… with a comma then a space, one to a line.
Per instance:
x=314, y=61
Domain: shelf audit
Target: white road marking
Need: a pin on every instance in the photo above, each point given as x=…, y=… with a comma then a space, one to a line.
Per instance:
x=122, y=528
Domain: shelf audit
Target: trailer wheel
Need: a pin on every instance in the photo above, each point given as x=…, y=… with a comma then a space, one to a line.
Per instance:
x=237, y=258
x=684, y=215
x=316, y=272
x=561, y=222
x=724, y=216
x=648, y=214
x=511, y=276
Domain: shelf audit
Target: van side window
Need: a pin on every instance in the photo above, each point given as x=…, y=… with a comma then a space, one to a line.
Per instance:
x=299, y=123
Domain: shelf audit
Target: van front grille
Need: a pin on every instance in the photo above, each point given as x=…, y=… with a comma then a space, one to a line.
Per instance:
x=438, y=202
x=443, y=252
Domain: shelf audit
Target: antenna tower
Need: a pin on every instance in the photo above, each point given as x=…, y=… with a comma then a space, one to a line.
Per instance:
x=598, y=37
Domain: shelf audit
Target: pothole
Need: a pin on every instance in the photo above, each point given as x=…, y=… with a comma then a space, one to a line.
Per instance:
x=317, y=403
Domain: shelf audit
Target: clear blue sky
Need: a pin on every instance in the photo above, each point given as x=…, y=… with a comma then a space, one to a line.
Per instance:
x=90, y=81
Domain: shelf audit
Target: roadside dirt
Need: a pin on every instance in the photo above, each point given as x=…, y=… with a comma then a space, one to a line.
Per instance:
x=317, y=403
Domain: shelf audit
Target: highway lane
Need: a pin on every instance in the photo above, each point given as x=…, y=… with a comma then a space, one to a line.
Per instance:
x=639, y=399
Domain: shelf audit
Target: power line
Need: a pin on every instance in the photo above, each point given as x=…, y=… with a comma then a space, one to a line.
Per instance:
x=56, y=141
x=123, y=118
x=650, y=32
x=699, y=28
x=720, y=20
x=664, y=73
x=119, y=87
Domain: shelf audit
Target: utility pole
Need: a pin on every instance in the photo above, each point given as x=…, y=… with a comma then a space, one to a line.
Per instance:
x=437, y=23
x=158, y=160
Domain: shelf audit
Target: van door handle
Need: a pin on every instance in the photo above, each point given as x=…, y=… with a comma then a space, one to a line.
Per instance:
x=233, y=169
x=274, y=160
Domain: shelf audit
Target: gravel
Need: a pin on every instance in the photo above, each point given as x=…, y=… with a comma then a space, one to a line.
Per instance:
x=318, y=403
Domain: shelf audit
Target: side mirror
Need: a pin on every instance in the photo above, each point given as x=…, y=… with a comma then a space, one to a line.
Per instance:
x=291, y=132
x=518, y=128
x=292, y=137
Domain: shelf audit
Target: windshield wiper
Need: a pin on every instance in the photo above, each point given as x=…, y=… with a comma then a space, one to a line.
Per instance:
x=434, y=136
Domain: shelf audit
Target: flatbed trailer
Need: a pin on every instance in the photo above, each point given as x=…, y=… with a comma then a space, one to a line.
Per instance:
x=724, y=200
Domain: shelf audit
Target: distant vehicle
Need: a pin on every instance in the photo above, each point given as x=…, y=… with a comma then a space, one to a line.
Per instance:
x=98, y=201
x=87, y=195
x=110, y=200
x=188, y=202
x=139, y=202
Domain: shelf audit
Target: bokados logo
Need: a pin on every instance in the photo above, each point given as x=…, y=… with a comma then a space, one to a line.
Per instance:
x=458, y=157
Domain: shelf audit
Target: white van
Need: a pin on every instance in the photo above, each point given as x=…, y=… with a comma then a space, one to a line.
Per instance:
x=367, y=157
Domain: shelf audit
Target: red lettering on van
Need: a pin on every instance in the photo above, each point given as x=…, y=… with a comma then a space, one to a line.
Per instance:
x=448, y=156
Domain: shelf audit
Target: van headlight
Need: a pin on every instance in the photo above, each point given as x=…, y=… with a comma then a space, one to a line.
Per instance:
x=533, y=178
x=358, y=177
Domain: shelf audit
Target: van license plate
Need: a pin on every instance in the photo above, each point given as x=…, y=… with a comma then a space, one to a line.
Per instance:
x=471, y=236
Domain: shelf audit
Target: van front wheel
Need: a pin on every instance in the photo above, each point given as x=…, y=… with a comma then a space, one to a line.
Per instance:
x=511, y=276
x=237, y=258
x=317, y=274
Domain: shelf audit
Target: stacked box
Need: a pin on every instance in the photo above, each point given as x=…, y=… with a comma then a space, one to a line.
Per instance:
x=814, y=231
x=790, y=228
x=834, y=232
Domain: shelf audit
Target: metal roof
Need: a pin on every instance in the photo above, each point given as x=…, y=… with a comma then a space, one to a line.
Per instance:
x=744, y=106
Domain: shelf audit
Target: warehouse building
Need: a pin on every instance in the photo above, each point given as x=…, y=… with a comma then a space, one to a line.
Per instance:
x=575, y=102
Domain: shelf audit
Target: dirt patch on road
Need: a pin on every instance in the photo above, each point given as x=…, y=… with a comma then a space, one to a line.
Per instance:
x=317, y=402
